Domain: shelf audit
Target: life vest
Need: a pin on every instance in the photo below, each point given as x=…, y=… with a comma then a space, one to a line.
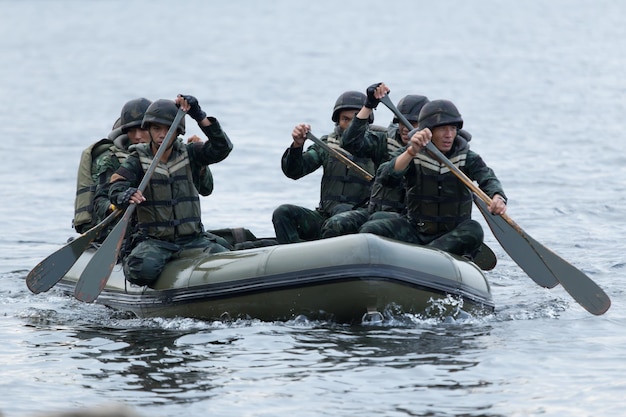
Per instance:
x=388, y=196
x=437, y=201
x=341, y=185
x=86, y=182
x=172, y=206
x=203, y=180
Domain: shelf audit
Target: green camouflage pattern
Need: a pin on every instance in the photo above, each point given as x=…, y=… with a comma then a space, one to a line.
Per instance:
x=349, y=222
x=344, y=223
x=147, y=259
x=464, y=240
x=294, y=224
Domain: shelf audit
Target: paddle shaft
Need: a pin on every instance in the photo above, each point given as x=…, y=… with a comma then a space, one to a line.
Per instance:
x=347, y=161
x=96, y=274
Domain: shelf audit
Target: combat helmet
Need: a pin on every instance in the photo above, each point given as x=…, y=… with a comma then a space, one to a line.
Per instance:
x=410, y=107
x=132, y=113
x=348, y=101
x=116, y=130
x=163, y=112
x=439, y=113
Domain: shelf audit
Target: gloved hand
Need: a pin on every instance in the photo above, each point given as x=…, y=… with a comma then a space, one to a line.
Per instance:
x=195, y=111
x=123, y=198
x=372, y=102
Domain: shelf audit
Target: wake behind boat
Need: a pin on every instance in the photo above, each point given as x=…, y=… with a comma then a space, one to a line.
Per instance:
x=344, y=279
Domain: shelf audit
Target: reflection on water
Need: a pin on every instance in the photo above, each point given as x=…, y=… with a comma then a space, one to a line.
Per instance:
x=181, y=360
x=446, y=366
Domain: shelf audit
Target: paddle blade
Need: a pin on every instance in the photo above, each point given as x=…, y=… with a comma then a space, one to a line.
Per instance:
x=52, y=269
x=582, y=288
x=518, y=247
x=96, y=274
x=545, y=267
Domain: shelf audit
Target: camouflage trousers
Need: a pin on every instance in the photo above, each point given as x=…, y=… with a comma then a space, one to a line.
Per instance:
x=349, y=222
x=298, y=224
x=147, y=259
x=465, y=239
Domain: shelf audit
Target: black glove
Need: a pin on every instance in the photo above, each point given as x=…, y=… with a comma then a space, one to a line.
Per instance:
x=371, y=102
x=195, y=112
x=123, y=198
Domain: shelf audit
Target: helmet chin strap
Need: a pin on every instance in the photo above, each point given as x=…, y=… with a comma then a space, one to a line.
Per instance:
x=153, y=145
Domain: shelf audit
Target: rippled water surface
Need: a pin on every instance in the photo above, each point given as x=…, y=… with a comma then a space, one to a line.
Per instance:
x=541, y=88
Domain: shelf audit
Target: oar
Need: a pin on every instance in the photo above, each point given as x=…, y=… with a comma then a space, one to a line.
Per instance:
x=52, y=269
x=485, y=259
x=340, y=156
x=96, y=274
x=525, y=250
x=577, y=284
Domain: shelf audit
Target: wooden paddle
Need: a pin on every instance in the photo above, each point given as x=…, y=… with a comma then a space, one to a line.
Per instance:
x=340, y=156
x=96, y=274
x=52, y=269
x=540, y=264
x=485, y=259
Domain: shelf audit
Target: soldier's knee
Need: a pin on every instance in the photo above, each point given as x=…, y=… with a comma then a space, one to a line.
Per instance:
x=380, y=215
x=331, y=228
x=370, y=227
x=474, y=228
x=142, y=271
x=281, y=212
x=145, y=263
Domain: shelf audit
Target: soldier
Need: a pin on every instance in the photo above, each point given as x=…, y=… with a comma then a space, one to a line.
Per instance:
x=89, y=209
x=341, y=188
x=169, y=214
x=438, y=204
x=387, y=195
x=127, y=134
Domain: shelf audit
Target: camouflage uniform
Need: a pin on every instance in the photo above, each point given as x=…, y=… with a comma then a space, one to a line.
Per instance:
x=89, y=209
x=438, y=203
x=168, y=222
x=84, y=215
x=378, y=145
x=104, y=166
x=387, y=195
x=107, y=161
x=341, y=190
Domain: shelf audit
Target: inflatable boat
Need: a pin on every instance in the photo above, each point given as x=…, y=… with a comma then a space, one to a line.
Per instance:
x=347, y=279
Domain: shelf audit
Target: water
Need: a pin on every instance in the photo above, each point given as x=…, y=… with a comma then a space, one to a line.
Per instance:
x=540, y=86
